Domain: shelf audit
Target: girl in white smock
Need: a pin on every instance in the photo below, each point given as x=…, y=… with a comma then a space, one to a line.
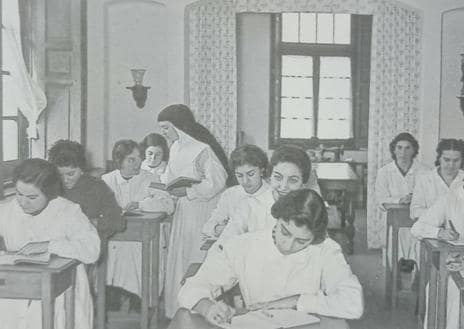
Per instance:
x=131, y=187
x=56, y=225
x=434, y=223
x=394, y=184
x=193, y=153
x=440, y=180
x=292, y=265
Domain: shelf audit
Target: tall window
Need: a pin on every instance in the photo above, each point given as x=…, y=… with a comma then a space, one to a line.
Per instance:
x=320, y=63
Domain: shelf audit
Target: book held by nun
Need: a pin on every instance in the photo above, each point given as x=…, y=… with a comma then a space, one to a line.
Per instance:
x=181, y=181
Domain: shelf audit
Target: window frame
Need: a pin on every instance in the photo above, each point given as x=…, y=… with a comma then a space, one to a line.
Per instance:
x=315, y=50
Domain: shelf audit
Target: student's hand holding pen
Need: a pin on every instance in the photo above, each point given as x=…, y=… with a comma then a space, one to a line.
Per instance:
x=448, y=234
x=215, y=312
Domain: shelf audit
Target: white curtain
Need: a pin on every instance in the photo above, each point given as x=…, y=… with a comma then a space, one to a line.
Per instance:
x=395, y=72
x=211, y=74
x=19, y=90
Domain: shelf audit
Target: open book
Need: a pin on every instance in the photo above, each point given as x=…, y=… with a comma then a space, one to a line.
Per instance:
x=178, y=182
x=7, y=258
x=271, y=319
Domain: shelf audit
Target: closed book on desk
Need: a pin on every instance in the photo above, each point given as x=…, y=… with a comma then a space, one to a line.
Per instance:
x=15, y=258
x=271, y=319
x=178, y=182
x=459, y=242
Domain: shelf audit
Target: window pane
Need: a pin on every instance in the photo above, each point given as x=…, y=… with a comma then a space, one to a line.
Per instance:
x=334, y=129
x=297, y=87
x=336, y=67
x=290, y=27
x=335, y=109
x=10, y=140
x=297, y=66
x=335, y=119
x=296, y=118
x=335, y=88
x=324, y=28
x=308, y=27
x=296, y=108
x=342, y=32
x=296, y=128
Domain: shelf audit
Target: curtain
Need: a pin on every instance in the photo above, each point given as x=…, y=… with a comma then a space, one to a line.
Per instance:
x=394, y=96
x=21, y=92
x=211, y=74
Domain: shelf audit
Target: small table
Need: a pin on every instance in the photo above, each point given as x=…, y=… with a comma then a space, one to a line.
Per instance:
x=184, y=319
x=433, y=255
x=397, y=217
x=459, y=281
x=144, y=228
x=42, y=282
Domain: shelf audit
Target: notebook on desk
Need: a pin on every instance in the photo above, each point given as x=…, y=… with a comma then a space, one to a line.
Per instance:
x=271, y=319
x=7, y=258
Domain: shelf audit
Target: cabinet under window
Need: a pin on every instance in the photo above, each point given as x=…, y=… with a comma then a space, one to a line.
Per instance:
x=320, y=66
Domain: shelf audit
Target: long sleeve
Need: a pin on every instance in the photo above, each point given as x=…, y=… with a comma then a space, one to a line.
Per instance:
x=213, y=177
x=429, y=223
x=418, y=200
x=80, y=240
x=340, y=294
x=382, y=192
x=112, y=220
x=220, y=214
x=216, y=272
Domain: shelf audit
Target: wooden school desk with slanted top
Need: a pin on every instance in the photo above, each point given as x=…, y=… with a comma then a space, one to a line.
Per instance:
x=397, y=217
x=433, y=255
x=184, y=319
x=145, y=228
x=42, y=282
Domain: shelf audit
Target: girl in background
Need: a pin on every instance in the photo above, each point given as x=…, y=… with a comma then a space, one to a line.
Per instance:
x=155, y=153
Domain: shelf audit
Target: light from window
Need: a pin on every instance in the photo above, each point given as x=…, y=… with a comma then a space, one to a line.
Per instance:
x=316, y=28
x=335, y=100
x=10, y=140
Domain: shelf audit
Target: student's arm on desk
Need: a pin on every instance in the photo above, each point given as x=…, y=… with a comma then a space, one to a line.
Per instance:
x=215, y=273
x=429, y=223
x=219, y=216
x=341, y=293
x=213, y=176
x=80, y=240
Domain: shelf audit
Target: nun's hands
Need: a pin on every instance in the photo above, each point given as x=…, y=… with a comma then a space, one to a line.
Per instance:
x=179, y=191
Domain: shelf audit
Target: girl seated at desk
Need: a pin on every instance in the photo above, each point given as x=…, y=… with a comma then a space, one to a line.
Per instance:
x=290, y=170
x=292, y=265
x=444, y=220
x=131, y=186
x=394, y=184
x=97, y=201
x=38, y=214
x=249, y=163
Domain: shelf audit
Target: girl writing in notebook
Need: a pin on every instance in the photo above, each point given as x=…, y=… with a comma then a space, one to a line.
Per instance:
x=40, y=216
x=291, y=265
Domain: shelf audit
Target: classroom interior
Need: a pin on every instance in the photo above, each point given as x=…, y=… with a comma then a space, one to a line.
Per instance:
x=216, y=57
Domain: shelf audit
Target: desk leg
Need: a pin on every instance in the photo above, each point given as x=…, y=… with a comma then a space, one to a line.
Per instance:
x=155, y=251
x=101, y=286
x=432, y=300
x=145, y=276
x=394, y=293
x=388, y=273
x=48, y=302
x=69, y=296
x=425, y=266
x=461, y=311
x=442, y=290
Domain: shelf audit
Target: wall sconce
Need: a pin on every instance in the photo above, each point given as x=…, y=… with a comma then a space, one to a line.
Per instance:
x=461, y=96
x=139, y=91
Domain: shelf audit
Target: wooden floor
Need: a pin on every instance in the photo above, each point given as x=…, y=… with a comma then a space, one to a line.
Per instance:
x=367, y=265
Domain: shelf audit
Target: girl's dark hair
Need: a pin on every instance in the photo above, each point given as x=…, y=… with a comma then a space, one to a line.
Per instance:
x=42, y=174
x=121, y=149
x=293, y=154
x=182, y=118
x=248, y=154
x=404, y=137
x=66, y=153
x=154, y=140
x=449, y=144
x=305, y=208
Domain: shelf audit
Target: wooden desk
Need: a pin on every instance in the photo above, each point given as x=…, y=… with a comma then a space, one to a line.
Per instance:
x=42, y=282
x=397, y=217
x=145, y=229
x=433, y=254
x=459, y=281
x=183, y=319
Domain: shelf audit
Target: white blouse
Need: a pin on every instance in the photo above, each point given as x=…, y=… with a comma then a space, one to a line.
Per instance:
x=318, y=273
